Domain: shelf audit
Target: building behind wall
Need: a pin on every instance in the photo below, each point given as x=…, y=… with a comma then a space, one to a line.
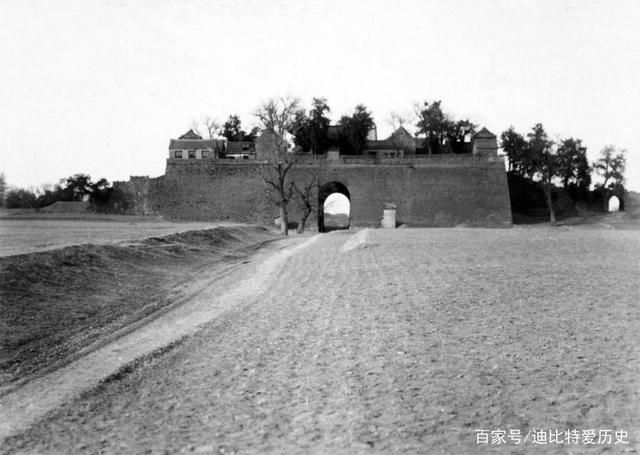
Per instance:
x=192, y=146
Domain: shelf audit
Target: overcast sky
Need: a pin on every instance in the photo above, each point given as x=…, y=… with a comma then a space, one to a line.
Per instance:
x=101, y=86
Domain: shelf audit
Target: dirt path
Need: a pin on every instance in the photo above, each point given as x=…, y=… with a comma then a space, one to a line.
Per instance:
x=401, y=341
x=31, y=402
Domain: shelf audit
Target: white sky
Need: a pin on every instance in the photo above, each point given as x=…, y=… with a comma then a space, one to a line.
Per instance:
x=336, y=203
x=101, y=86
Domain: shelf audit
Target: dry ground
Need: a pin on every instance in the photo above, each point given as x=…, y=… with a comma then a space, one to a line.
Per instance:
x=22, y=233
x=55, y=303
x=402, y=341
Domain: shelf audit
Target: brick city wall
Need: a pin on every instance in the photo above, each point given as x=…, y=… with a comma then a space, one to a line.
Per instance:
x=439, y=190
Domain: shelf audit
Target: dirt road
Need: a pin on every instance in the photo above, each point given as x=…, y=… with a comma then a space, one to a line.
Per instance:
x=404, y=341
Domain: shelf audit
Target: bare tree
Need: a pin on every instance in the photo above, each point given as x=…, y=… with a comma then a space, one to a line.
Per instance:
x=308, y=196
x=195, y=127
x=308, y=193
x=277, y=117
x=399, y=119
x=444, y=134
x=212, y=125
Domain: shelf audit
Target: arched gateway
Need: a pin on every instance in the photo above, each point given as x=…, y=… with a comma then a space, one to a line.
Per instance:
x=324, y=192
x=614, y=204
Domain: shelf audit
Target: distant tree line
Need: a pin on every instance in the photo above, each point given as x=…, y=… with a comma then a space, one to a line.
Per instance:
x=539, y=166
x=102, y=196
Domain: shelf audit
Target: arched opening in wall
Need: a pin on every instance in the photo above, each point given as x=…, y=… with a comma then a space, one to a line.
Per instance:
x=614, y=204
x=334, y=207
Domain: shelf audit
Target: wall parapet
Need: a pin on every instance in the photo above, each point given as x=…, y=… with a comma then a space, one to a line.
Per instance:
x=443, y=160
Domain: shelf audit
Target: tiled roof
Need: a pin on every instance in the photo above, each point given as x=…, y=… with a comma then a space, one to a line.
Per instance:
x=401, y=131
x=399, y=139
x=190, y=135
x=484, y=134
x=241, y=147
x=192, y=144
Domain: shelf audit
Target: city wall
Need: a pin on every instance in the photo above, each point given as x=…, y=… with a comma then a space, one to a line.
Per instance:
x=437, y=190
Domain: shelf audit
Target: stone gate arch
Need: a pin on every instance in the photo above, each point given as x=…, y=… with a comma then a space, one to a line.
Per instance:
x=323, y=193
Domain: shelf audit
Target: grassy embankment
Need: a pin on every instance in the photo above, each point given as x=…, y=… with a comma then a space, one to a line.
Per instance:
x=54, y=303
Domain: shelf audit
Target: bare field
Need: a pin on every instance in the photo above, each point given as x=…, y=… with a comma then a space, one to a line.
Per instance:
x=403, y=341
x=28, y=234
x=55, y=303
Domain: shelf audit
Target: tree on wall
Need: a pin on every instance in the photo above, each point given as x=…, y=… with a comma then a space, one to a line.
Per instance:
x=516, y=148
x=573, y=166
x=277, y=117
x=311, y=130
x=610, y=167
x=461, y=135
x=354, y=130
x=544, y=164
x=443, y=133
x=434, y=124
x=232, y=130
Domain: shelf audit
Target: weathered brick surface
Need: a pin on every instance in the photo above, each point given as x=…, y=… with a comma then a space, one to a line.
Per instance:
x=209, y=190
x=438, y=192
x=143, y=193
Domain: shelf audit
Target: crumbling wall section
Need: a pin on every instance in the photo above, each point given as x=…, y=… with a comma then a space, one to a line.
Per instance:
x=142, y=195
